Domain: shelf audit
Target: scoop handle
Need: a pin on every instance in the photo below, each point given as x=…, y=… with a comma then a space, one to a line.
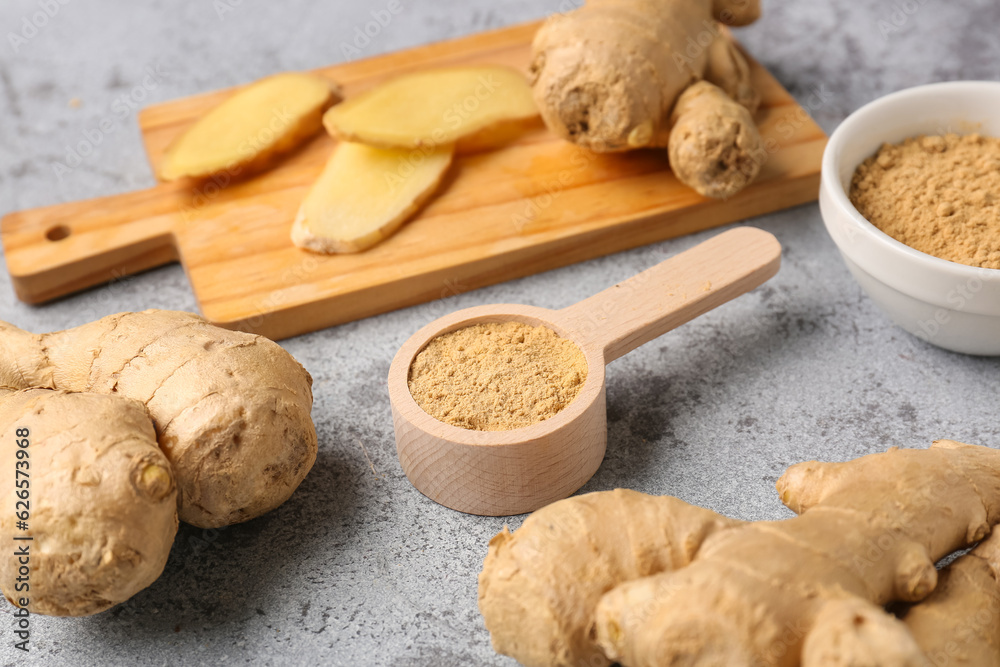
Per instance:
x=675, y=291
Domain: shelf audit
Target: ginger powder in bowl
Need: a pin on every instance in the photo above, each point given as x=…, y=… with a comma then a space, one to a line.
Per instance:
x=497, y=376
x=937, y=194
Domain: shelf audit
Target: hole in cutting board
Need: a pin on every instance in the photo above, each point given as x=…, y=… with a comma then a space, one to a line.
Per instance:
x=57, y=233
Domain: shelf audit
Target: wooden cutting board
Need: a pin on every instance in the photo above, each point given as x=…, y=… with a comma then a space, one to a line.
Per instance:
x=536, y=204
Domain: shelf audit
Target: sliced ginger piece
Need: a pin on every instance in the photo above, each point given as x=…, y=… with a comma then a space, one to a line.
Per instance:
x=436, y=107
x=249, y=130
x=365, y=194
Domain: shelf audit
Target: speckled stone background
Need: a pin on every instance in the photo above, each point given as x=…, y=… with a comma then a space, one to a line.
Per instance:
x=358, y=568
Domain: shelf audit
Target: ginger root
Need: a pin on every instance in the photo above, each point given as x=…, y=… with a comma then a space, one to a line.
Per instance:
x=714, y=146
x=539, y=587
x=365, y=194
x=607, y=75
x=231, y=409
x=807, y=590
x=959, y=623
x=251, y=129
x=857, y=633
x=436, y=107
x=99, y=497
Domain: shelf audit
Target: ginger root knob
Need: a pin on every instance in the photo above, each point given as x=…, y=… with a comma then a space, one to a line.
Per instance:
x=153, y=480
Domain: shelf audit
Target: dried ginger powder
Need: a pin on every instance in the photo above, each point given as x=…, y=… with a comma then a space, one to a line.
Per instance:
x=497, y=376
x=939, y=195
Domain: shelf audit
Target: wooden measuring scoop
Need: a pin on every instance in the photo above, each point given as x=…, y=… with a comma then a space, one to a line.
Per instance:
x=498, y=473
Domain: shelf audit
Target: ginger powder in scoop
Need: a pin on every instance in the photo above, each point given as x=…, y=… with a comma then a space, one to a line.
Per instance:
x=497, y=376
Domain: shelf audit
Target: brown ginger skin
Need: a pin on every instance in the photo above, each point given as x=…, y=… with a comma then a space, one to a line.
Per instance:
x=767, y=587
x=101, y=496
x=607, y=75
x=539, y=586
x=857, y=633
x=715, y=147
x=231, y=409
x=729, y=70
x=807, y=590
x=959, y=623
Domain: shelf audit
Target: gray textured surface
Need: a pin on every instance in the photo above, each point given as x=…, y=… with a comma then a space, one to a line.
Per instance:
x=359, y=568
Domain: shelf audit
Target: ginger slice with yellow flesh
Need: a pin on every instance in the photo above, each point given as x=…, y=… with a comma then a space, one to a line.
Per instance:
x=365, y=194
x=248, y=131
x=435, y=107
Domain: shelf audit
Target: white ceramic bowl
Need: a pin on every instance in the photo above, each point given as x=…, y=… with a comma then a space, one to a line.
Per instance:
x=951, y=305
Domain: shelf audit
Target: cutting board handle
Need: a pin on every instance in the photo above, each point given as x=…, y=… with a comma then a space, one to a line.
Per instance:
x=57, y=250
x=675, y=291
